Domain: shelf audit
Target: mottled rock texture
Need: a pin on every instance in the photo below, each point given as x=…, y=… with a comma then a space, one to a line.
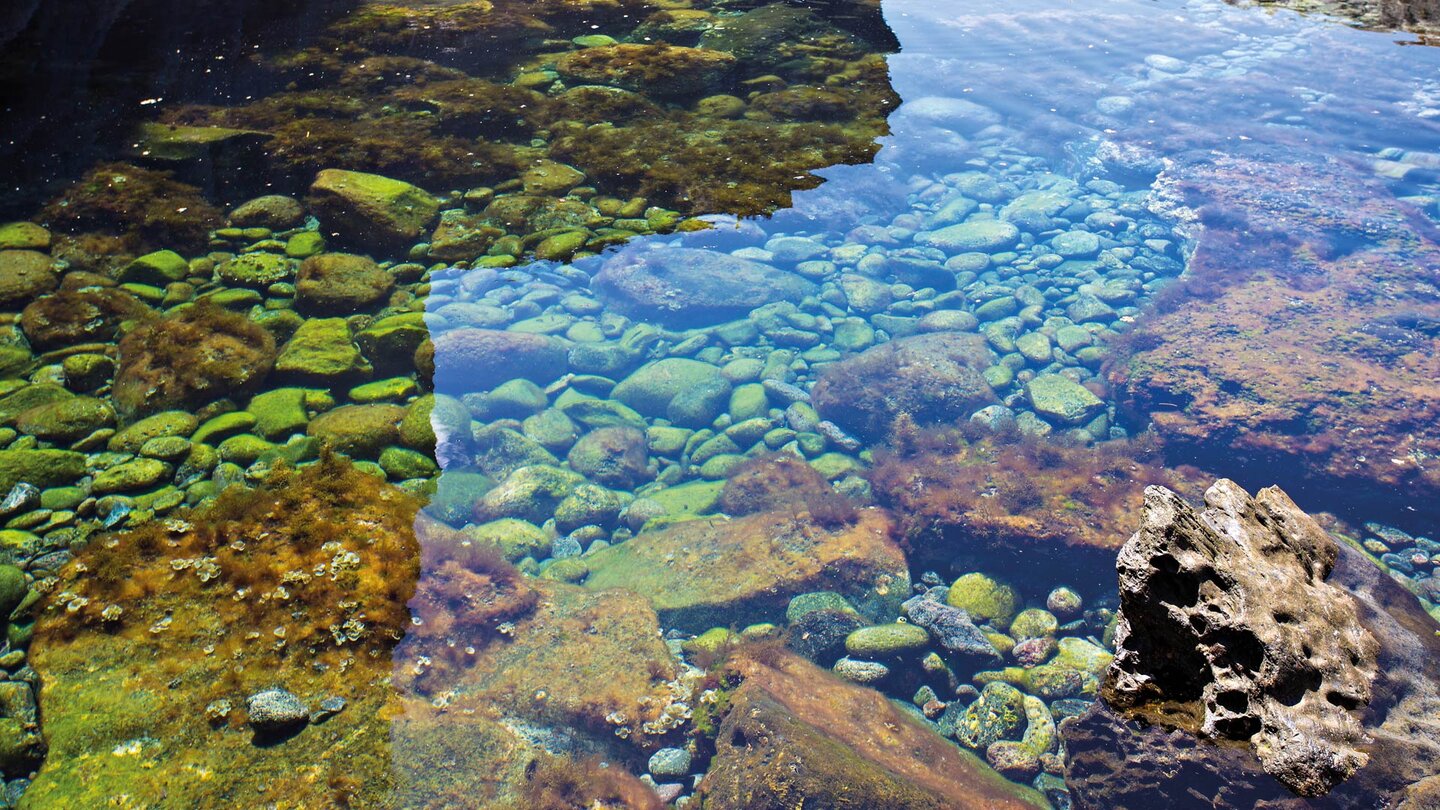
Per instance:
x=1303, y=340
x=1214, y=701
x=796, y=736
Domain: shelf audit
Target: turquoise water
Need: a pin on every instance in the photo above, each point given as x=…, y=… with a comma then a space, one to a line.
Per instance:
x=743, y=361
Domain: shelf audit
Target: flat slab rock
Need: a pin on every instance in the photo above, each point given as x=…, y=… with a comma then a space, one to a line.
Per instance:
x=796, y=736
x=718, y=571
x=1246, y=625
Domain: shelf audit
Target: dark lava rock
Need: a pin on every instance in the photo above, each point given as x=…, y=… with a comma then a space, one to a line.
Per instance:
x=1257, y=660
x=690, y=287
x=950, y=626
x=934, y=379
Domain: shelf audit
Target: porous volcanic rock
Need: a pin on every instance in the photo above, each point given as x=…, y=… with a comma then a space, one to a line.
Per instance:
x=934, y=379
x=1229, y=629
x=692, y=287
x=1260, y=664
x=796, y=736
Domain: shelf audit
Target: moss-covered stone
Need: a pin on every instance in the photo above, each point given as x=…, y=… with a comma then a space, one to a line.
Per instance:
x=370, y=209
x=40, y=468
x=141, y=473
x=358, y=430
x=985, y=599
x=66, y=420
x=516, y=538
x=322, y=352
x=885, y=641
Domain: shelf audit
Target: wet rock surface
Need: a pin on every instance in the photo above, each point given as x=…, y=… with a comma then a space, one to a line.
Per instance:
x=794, y=731
x=1332, y=715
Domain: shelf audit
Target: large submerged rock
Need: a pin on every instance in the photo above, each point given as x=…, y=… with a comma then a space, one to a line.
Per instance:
x=704, y=573
x=934, y=379
x=1304, y=339
x=1260, y=664
x=692, y=287
x=796, y=736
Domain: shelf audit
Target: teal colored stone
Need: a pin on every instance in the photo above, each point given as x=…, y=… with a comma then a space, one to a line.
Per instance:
x=749, y=401
x=807, y=603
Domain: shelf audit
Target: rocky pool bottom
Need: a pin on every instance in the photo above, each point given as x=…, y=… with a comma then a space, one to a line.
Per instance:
x=637, y=515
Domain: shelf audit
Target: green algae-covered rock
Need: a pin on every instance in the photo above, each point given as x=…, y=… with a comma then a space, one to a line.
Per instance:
x=887, y=641
x=1062, y=399
x=998, y=714
x=219, y=427
x=693, y=498
x=255, y=270
x=516, y=538
x=985, y=599
x=370, y=209
x=24, y=275
x=589, y=505
x=710, y=642
x=400, y=463
x=40, y=468
x=279, y=412
x=26, y=397
x=13, y=588
x=304, y=244
x=390, y=342
x=244, y=449
x=358, y=430
x=23, y=236
x=807, y=603
x=340, y=284
x=166, y=423
x=568, y=569
x=716, y=572
x=1033, y=623
x=651, y=388
x=160, y=267
x=430, y=413
x=321, y=351
x=167, y=448
x=1081, y=656
x=981, y=235
x=599, y=413
x=142, y=473
x=394, y=389
x=529, y=493
x=67, y=420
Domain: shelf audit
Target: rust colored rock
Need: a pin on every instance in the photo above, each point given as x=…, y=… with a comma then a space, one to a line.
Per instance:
x=706, y=573
x=796, y=736
x=1341, y=699
x=1278, y=349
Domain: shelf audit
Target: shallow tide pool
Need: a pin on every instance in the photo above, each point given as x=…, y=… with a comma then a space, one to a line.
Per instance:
x=655, y=403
